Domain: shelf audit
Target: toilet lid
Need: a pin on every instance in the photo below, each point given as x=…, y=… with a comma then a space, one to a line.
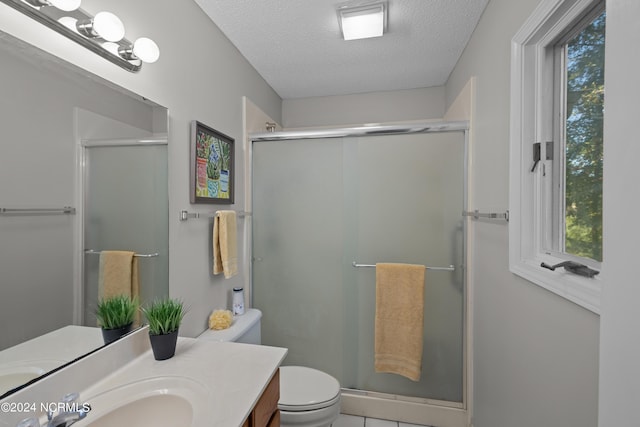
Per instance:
x=305, y=389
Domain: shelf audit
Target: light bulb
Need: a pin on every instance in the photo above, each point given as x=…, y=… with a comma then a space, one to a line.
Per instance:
x=66, y=5
x=69, y=22
x=146, y=49
x=108, y=26
x=111, y=47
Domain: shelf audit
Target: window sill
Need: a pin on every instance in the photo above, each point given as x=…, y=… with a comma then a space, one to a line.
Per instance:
x=583, y=291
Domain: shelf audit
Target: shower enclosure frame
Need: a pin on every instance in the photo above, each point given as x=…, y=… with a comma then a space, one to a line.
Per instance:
x=81, y=193
x=375, y=404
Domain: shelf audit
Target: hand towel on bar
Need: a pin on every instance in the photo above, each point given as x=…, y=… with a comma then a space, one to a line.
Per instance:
x=399, y=319
x=118, y=274
x=225, y=253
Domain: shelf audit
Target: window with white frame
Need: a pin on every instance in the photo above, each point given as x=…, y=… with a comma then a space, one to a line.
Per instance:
x=557, y=107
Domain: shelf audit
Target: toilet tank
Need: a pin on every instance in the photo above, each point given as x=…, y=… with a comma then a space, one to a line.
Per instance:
x=244, y=328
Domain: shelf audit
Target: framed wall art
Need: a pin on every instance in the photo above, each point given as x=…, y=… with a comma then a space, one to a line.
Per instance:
x=212, y=165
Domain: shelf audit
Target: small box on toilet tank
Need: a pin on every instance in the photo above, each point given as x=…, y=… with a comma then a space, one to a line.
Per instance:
x=238, y=301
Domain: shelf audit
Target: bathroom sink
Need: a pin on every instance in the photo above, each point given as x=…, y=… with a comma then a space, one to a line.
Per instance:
x=15, y=374
x=158, y=401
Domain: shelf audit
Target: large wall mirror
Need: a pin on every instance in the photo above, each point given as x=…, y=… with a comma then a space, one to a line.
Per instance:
x=69, y=138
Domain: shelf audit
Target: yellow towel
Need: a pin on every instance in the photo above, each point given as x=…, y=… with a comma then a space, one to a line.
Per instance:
x=225, y=253
x=399, y=319
x=119, y=275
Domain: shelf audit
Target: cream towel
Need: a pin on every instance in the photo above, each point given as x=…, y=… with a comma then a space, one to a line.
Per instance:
x=399, y=319
x=118, y=274
x=225, y=253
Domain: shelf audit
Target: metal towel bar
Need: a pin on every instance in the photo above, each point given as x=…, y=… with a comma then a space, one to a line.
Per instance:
x=185, y=215
x=37, y=211
x=153, y=255
x=450, y=268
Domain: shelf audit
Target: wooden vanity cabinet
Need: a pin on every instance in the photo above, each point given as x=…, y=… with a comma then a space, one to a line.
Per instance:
x=266, y=413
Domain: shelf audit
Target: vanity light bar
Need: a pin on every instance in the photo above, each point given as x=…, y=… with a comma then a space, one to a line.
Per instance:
x=90, y=32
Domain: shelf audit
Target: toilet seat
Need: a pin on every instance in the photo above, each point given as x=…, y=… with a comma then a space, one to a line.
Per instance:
x=306, y=389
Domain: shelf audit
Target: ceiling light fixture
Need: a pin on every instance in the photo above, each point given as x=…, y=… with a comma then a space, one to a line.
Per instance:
x=103, y=33
x=362, y=21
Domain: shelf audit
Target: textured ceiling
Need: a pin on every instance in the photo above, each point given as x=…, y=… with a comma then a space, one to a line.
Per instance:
x=296, y=45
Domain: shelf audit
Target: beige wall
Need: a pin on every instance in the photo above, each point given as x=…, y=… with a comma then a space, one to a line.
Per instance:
x=535, y=354
x=619, y=343
x=359, y=109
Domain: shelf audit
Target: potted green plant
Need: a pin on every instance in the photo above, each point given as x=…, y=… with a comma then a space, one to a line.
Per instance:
x=164, y=317
x=115, y=316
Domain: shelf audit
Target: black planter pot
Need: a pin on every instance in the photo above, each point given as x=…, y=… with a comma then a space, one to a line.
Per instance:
x=164, y=346
x=110, y=335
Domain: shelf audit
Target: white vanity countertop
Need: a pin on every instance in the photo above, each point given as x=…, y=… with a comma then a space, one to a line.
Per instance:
x=235, y=375
x=230, y=379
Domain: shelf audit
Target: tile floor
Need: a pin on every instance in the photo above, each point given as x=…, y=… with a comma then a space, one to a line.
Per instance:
x=353, y=421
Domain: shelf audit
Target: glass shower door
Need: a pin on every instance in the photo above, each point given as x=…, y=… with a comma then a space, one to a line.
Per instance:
x=405, y=207
x=319, y=206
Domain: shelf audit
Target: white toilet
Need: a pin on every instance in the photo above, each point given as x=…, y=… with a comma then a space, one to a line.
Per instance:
x=308, y=397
